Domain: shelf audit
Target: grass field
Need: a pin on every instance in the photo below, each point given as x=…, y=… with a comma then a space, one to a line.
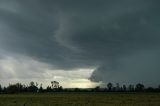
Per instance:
x=81, y=99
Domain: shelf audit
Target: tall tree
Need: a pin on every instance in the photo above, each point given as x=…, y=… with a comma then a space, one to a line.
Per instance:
x=97, y=88
x=41, y=88
x=139, y=87
x=158, y=86
x=131, y=88
x=110, y=85
x=124, y=88
x=49, y=89
x=117, y=87
x=33, y=87
x=0, y=88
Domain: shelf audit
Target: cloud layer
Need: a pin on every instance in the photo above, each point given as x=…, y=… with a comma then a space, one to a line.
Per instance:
x=119, y=39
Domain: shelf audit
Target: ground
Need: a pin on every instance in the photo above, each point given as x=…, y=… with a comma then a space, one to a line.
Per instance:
x=80, y=99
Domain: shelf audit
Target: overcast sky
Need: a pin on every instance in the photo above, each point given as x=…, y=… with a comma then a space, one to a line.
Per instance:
x=80, y=43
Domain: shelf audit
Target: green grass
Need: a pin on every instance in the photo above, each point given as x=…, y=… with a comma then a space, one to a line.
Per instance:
x=81, y=99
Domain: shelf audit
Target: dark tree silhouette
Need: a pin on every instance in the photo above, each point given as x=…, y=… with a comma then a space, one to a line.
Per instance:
x=60, y=88
x=110, y=85
x=0, y=88
x=33, y=87
x=159, y=87
x=139, y=87
x=124, y=88
x=4, y=90
x=41, y=88
x=131, y=88
x=49, y=89
x=14, y=88
x=55, y=87
x=97, y=88
x=19, y=87
x=150, y=89
x=117, y=87
x=77, y=90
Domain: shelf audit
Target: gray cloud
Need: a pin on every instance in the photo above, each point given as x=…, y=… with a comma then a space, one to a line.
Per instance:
x=119, y=38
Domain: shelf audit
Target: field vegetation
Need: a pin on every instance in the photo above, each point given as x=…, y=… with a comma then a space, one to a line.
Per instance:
x=80, y=99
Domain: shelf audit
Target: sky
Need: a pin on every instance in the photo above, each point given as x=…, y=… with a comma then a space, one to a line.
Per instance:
x=80, y=43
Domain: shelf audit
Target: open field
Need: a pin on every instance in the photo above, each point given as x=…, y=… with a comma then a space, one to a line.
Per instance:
x=81, y=99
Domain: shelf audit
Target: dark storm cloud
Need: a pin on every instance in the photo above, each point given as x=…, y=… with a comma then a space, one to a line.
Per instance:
x=119, y=38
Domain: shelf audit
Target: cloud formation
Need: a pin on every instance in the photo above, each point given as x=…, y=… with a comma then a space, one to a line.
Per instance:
x=119, y=39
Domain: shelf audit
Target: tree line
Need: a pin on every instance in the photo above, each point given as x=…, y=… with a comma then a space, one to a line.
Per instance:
x=55, y=87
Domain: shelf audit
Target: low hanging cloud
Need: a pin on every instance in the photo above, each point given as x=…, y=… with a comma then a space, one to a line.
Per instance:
x=119, y=39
